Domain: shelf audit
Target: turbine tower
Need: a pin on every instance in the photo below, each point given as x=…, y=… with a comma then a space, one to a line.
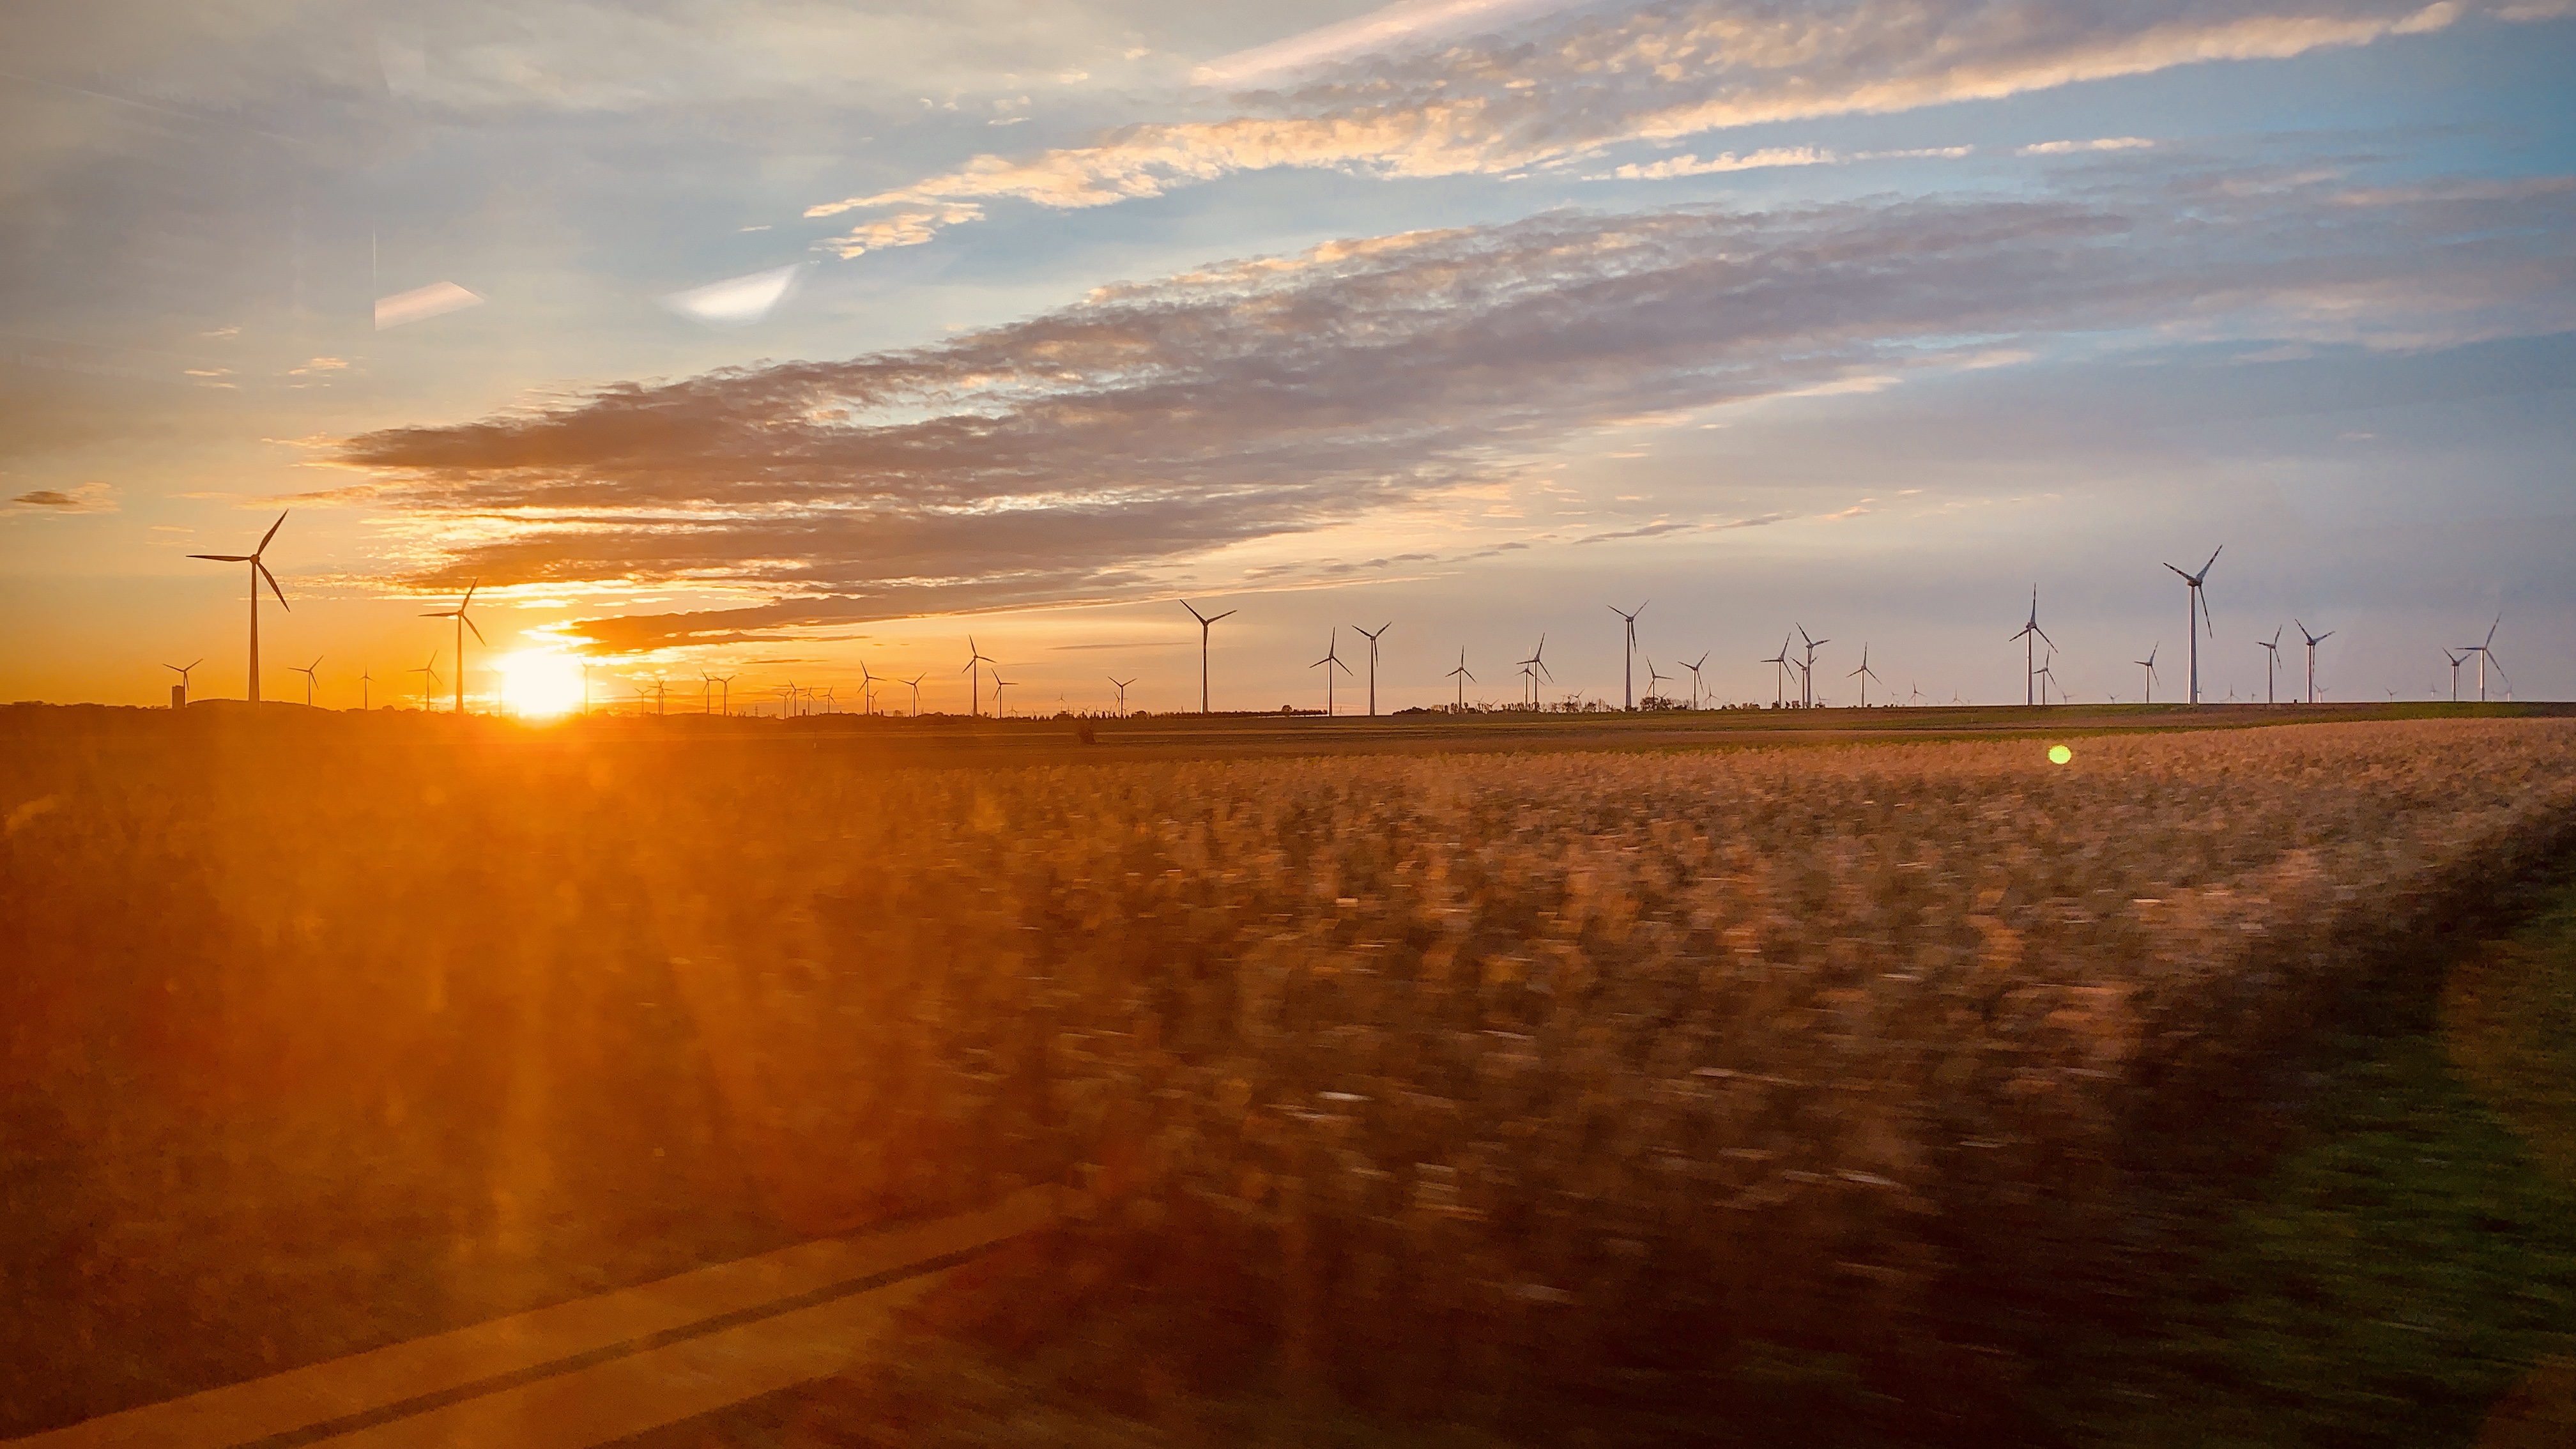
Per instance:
x=2030, y=636
x=1463, y=677
x=1694, y=668
x=1628, y=665
x=2316, y=639
x=2274, y=658
x=1121, y=685
x=1807, y=671
x=724, y=693
x=914, y=684
x=428, y=679
x=310, y=678
x=2456, y=661
x=1331, y=661
x=1372, y=638
x=1865, y=674
x=2484, y=650
x=366, y=690
x=2149, y=664
x=1533, y=669
x=1780, y=675
x=182, y=670
x=463, y=623
x=2195, y=611
x=1206, y=622
x=258, y=571
x=975, y=659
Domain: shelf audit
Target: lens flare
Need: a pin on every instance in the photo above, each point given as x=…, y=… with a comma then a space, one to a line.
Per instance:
x=2059, y=754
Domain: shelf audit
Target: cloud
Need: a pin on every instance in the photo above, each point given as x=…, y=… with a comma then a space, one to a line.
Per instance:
x=738, y=301
x=87, y=498
x=2106, y=143
x=1571, y=86
x=1090, y=452
x=421, y=303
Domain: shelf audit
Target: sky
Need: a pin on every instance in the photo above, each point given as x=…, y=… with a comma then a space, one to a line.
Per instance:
x=787, y=341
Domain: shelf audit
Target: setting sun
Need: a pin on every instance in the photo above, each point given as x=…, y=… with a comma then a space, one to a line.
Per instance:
x=539, y=683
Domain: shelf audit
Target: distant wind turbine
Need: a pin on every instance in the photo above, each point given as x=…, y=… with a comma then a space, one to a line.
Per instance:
x=1121, y=686
x=1331, y=661
x=724, y=693
x=182, y=670
x=428, y=679
x=310, y=678
x=1654, y=677
x=258, y=571
x=366, y=691
x=2048, y=677
x=2456, y=661
x=1533, y=669
x=1694, y=667
x=1628, y=659
x=2030, y=636
x=2313, y=641
x=1206, y=622
x=2272, y=659
x=914, y=683
x=1463, y=677
x=1865, y=674
x=2485, y=651
x=1780, y=675
x=998, y=683
x=1372, y=638
x=1807, y=671
x=975, y=659
x=2195, y=611
x=463, y=623
x=2149, y=664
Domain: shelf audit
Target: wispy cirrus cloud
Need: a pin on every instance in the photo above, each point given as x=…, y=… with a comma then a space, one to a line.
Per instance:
x=1568, y=87
x=1088, y=452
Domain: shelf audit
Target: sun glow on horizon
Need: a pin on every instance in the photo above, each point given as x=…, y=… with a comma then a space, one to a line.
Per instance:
x=539, y=683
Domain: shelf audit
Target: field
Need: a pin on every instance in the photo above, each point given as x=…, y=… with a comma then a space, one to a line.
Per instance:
x=1433, y=1079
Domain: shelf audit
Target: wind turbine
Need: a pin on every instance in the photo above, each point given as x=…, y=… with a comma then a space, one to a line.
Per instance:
x=310, y=678
x=366, y=691
x=258, y=571
x=975, y=657
x=1463, y=677
x=2484, y=652
x=2274, y=645
x=915, y=683
x=182, y=671
x=724, y=693
x=1780, y=675
x=2149, y=664
x=1694, y=667
x=2195, y=610
x=428, y=679
x=998, y=682
x=2030, y=636
x=1628, y=663
x=1121, y=685
x=1807, y=671
x=867, y=689
x=1332, y=660
x=463, y=623
x=1653, y=676
x=1533, y=669
x=2456, y=661
x=1206, y=622
x=2048, y=677
x=1865, y=674
x=1372, y=638
x=830, y=704
x=706, y=692
x=2316, y=639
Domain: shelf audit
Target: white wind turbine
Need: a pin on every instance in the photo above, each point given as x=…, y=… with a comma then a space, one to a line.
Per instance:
x=1121, y=686
x=1865, y=674
x=1372, y=638
x=2272, y=660
x=2030, y=636
x=1807, y=671
x=1331, y=661
x=2196, y=612
x=2149, y=664
x=1533, y=669
x=1463, y=677
x=1694, y=668
x=1654, y=677
x=2456, y=661
x=1780, y=675
x=1206, y=623
x=1628, y=664
x=2485, y=651
x=258, y=571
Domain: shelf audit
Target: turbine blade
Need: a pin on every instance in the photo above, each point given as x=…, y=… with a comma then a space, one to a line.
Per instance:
x=272, y=533
x=272, y=579
x=1228, y=614
x=470, y=624
x=223, y=557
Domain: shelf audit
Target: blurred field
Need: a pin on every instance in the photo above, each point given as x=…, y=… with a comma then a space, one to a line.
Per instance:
x=1420, y=1080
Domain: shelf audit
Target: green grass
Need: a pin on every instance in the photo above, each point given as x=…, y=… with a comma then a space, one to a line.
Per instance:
x=2388, y=1280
